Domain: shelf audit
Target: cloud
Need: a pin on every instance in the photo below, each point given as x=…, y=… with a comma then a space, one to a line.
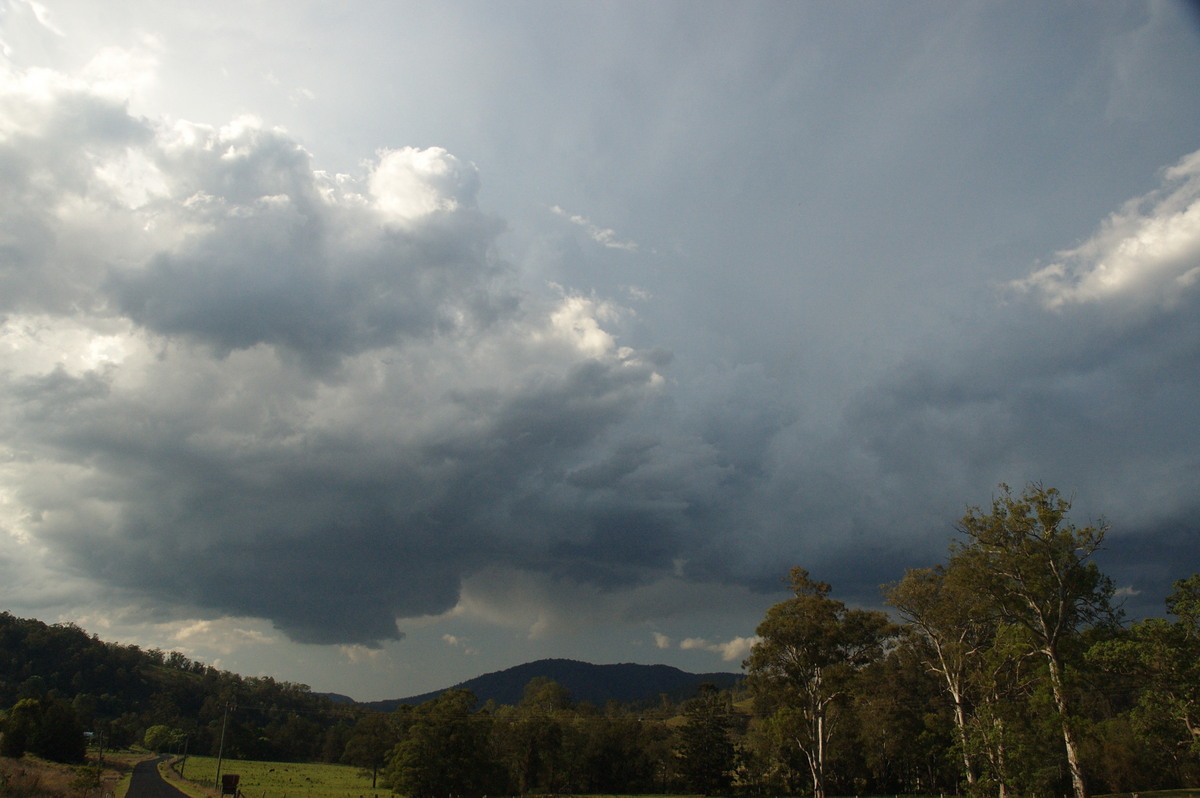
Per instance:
x=40, y=13
x=408, y=185
x=1146, y=253
x=733, y=650
x=357, y=654
x=224, y=636
x=604, y=236
x=325, y=399
x=455, y=641
x=270, y=252
x=318, y=399
x=1084, y=378
x=24, y=12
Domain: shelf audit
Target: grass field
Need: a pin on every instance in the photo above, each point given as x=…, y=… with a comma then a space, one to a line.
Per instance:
x=283, y=779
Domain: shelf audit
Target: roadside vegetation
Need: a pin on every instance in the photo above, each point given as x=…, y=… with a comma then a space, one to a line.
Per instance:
x=34, y=777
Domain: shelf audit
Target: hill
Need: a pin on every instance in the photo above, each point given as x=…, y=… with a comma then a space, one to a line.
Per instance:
x=596, y=684
x=121, y=690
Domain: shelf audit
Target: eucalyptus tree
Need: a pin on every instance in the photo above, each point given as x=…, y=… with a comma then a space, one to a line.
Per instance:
x=951, y=631
x=1035, y=569
x=1002, y=731
x=810, y=648
x=1162, y=657
x=531, y=738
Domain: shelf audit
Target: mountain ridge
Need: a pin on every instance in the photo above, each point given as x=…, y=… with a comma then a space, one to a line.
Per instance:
x=586, y=682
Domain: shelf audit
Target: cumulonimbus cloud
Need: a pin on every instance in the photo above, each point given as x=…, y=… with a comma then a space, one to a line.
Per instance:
x=273, y=392
x=270, y=391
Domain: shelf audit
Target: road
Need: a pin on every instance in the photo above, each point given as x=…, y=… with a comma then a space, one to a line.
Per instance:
x=146, y=783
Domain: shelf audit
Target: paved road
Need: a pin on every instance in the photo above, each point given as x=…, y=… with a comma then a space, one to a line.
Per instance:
x=146, y=783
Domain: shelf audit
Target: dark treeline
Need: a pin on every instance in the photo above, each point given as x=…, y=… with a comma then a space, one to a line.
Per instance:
x=1003, y=671
x=122, y=691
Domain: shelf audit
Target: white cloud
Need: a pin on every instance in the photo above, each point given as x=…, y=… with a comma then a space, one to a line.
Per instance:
x=42, y=14
x=224, y=635
x=736, y=649
x=409, y=184
x=603, y=236
x=455, y=641
x=358, y=655
x=26, y=11
x=1148, y=253
x=124, y=74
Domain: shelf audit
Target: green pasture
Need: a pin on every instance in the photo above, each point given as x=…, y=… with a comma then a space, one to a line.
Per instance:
x=283, y=779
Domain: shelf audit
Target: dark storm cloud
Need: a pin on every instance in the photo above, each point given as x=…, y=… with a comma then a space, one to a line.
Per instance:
x=310, y=398
x=337, y=536
x=1082, y=375
x=275, y=260
x=1085, y=378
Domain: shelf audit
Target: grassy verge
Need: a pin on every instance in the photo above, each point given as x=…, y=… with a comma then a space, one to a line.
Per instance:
x=169, y=770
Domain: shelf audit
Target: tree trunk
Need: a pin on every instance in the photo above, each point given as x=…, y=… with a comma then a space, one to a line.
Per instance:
x=1060, y=701
x=960, y=720
x=819, y=770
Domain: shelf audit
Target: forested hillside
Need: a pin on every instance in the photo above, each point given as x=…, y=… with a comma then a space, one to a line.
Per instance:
x=63, y=676
x=121, y=691
x=626, y=683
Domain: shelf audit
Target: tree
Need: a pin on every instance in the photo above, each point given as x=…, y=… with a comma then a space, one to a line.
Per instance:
x=1163, y=658
x=905, y=733
x=619, y=753
x=952, y=632
x=19, y=725
x=1002, y=732
x=46, y=727
x=445, y=751
x=1036, y=570
x=706, y=753
x=810, y=647
x=159, y=738
x=373, y=737
x=532, y=737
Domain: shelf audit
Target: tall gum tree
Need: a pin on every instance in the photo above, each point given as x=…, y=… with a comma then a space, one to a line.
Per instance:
x=951, y=633
x=810, y=648
x=1036, y=570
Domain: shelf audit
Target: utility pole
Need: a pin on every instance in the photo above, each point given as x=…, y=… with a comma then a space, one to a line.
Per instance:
x=221, y=746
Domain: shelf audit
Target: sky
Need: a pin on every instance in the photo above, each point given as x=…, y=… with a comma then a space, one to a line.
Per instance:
x=378, y=345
